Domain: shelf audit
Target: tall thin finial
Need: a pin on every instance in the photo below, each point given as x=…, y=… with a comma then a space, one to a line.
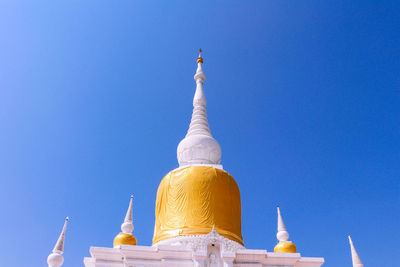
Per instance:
x=199, y=146
x=284, y=246
x=126, y=237
x=354, y=255
x=127, y=226
x=55, y=259
x=200, y=59
x=282, y=234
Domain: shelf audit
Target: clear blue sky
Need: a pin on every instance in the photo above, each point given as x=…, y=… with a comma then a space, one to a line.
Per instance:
x=303, y=97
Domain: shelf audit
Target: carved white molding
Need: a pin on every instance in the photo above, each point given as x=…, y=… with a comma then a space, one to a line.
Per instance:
x=199, y=243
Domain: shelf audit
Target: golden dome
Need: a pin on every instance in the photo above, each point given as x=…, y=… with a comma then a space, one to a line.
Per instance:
x=285, y=247
x=124, y=239
x=194, y=199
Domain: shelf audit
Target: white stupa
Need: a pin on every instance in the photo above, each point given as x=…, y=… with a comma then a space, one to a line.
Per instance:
x=196, y=223
x=284, y=246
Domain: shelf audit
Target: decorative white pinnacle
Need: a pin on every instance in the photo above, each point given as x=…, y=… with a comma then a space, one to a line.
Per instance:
x=55, y=259
x=354, y=255
x=127, y=226
x=199, y=146
x=282, y=234
x=213, y=231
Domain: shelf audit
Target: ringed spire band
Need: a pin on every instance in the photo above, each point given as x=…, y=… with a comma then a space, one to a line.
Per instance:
x=199, y=146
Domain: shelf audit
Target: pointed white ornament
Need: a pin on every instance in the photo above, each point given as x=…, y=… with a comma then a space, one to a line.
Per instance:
x=354, y=255
x=199, y=147
x=55, y=259
x=127, y=225
x=213, y=231
x=282, y=234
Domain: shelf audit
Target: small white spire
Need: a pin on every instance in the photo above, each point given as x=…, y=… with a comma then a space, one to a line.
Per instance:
x=354, y=255
x=213, y=231
x=199, y=146
x=55, y=259
x=127, y=226
x=282, y=234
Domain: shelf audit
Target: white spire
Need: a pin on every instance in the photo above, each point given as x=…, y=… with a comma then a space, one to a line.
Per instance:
x=354, y=255
x=127, y=226
x=55, y=259
x=282, y=234
x=198, y=146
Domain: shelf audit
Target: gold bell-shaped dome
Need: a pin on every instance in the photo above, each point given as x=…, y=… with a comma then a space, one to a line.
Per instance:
x=194, y=199
x=285, y=247
x=124, y=239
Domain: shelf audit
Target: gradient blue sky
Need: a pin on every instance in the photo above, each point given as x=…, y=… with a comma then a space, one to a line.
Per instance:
x=303, y=97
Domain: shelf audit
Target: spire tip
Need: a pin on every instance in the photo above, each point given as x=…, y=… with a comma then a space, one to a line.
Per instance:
x=354, y=255
x=200, y=58
x=127, y=225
